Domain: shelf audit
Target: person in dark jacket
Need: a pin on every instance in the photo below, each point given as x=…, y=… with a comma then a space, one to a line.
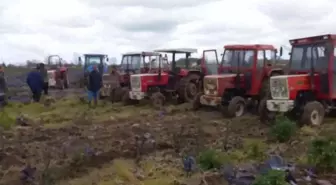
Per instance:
x=35, y=83
x=95, y=83
x=3, y=87
x=44, y=74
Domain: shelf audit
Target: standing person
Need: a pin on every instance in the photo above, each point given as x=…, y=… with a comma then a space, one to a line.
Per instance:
x=94, y=84
x=35, y=83
x=3, y=87
x=44, y=73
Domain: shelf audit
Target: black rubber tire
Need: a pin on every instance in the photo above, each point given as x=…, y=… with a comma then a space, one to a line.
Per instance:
x=117, y=94
x=232, y=107
x=309, y=109
x=158, y=100
x=111, y=96
x=183, y=87
x=66, y=84
x=265, y=116
x=196, y=104
x=125, y=97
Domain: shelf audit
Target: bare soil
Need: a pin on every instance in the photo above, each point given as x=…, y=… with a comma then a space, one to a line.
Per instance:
x=62, y=152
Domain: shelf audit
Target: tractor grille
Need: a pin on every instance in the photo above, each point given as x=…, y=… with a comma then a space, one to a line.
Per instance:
x=279, y=87
x=210, y=86
x=135, y=83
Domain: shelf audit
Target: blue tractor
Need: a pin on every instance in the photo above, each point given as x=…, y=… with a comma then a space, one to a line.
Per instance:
x=94, y=59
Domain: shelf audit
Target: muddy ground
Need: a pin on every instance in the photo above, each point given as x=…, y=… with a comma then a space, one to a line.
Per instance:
x=69, y=144
x=87, y=149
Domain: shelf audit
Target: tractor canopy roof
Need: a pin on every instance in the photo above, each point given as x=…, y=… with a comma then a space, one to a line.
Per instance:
x=177, y=50
x=145, y=53
x=313, y=39
x=94, y=55
x=250, y=47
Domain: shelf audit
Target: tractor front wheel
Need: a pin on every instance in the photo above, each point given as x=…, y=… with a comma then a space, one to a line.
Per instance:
x=158, y=100
x=313, y=114
x=236, y=107
x=265, y=116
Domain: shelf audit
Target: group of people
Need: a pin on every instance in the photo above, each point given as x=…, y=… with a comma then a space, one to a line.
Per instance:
x=38, y=82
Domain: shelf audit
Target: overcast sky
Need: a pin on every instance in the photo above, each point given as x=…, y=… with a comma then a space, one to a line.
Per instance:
x=35, y=28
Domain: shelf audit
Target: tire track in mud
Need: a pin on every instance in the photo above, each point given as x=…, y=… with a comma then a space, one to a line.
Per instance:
x=109, y=140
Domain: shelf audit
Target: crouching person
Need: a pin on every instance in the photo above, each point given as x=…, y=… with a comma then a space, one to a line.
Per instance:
x=94, y=85
x=36, y=83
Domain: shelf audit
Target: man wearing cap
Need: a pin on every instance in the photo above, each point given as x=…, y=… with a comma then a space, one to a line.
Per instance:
x=95, y=82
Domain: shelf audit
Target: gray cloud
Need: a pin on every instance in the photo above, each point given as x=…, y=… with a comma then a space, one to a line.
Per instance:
x=163, y=4
x=150, y=26
x=114, y=27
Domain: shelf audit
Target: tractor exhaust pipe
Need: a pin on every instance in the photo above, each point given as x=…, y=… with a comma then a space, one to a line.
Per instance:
x=160, y=60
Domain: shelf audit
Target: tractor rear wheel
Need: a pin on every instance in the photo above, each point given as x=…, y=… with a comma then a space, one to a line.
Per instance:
x=196, y=104
x=313, y=114
x=66, y=83
x=265, y=116
x=158, y=100
x=189, y=87
x=116, y=94
x=236, y=107
x=125, y=97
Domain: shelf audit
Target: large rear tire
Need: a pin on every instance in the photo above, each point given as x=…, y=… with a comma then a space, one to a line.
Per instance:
x=125, y=97
x=236, y=107
x=313, y=114
x=117, y=94
x=265, y=116
x=190, y=87
x=196, y=104
x=158, y=100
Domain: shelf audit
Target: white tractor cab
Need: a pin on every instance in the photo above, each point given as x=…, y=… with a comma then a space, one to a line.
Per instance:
x=57, y=72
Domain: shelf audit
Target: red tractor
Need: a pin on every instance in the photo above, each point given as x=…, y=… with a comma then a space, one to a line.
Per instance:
x=181, y=79
x=57, y=73
x=242, y=78
x=131, y=63
x=308, y=91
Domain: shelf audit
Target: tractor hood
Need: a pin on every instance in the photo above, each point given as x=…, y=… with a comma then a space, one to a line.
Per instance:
x=286, y=87
x=140, y=82
x=216, y=84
